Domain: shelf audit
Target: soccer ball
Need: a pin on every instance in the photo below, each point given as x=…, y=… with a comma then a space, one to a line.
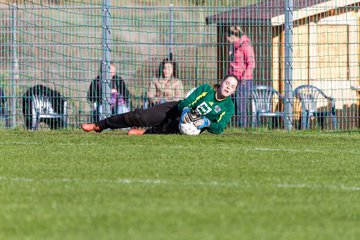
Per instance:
x=189, y=129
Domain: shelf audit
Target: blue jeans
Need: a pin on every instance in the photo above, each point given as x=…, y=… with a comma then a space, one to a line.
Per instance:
x=243, y=102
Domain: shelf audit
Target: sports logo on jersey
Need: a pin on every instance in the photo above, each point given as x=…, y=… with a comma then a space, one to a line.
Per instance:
x=203, y=108
x=217, y=108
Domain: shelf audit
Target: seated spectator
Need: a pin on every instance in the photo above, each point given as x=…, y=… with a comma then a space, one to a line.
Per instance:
x=119, y=101
x=4, y=111
x=167, y=87
x=2, y=102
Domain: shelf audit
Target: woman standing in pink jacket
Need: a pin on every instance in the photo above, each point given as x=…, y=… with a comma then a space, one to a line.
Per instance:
x=242, y=64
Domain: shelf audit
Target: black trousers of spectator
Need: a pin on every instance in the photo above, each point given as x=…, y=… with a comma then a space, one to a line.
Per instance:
x=160, y=119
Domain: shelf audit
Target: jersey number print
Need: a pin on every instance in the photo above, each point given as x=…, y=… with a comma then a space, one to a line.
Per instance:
x=203, y=109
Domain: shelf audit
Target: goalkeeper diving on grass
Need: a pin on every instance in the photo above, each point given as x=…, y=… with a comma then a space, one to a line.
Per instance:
x=206, y=108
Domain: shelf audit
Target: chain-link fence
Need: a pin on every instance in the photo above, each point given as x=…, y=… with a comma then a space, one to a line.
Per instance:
x=51, y=53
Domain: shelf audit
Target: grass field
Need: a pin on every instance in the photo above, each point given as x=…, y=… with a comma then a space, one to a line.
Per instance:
x=240, y=185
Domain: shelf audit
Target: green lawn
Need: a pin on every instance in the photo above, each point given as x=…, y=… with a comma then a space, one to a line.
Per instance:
x=240, y=185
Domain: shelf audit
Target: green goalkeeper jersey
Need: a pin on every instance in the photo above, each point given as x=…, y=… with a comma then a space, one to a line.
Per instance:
x=204, y=101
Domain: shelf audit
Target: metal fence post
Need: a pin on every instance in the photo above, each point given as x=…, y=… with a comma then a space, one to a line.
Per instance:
x=15, y=65
x=171, y=30
x=288, y=118
x=105, y=62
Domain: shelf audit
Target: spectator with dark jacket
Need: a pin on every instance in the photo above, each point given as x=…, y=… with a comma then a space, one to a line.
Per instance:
x=119, y=101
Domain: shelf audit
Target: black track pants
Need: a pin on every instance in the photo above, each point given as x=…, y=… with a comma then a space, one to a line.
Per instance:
x=160, y=119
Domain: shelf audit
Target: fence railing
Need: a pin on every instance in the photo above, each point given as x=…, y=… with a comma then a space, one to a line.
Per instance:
x=65, y=47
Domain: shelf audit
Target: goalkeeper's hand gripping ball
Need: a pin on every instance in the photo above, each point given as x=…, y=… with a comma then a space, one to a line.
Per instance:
x=187, y=122
x=184, y=118
x=201, y=123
